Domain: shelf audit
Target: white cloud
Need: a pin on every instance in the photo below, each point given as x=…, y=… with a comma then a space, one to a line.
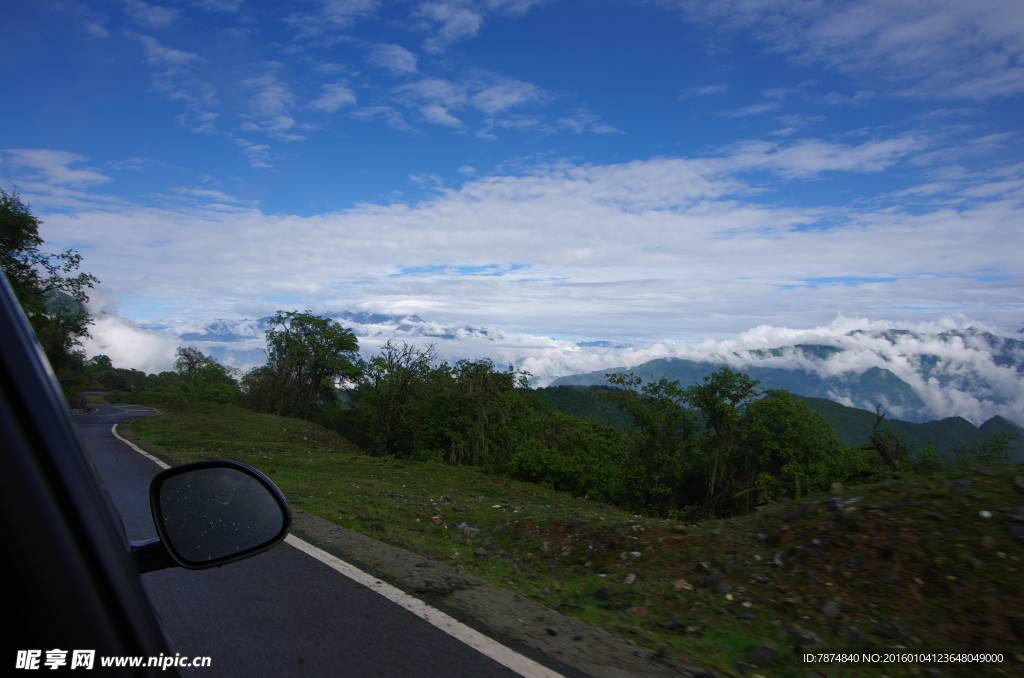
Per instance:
x=450, y=22
x=333, y=97
x=439, y=115
x=394, y=58
x=436, y=91
x=52, y=166
x=213, y=196
x=493, y=96
x=585, y=121
x=258, y=155
x=271, y=104
x=808, y=157
x=707, y=90
x=666, y=247
x=754, y=109
x=506, y=93
x=150, y=16
x=219, y=5
x=393, y=118
x=934, y=48
x=128, y=345
x=272, y=97
x=330, y=19
x=167, y=57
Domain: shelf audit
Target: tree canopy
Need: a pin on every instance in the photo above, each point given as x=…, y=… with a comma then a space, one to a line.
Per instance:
x=307, y=355
x=51, y=294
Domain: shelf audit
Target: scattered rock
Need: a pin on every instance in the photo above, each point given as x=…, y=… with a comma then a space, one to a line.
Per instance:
x=637, y=612
x=682, y=585
x=830, y=608
x=963, y=482
x=1017, y=532
x=987, y=542
x=892, y=631
x=762, y=537
x=551, y=632
x=888, y=576
x=630, y=578
x=984, y=472
x=841, y=507
x=1017, y=516
x=1018, y=484
x=479, y=552
x=720, y=610
x=815, y=542
x=679, y=528
x=709, y=581
x=837, y=488
x=856, y=634
x=805, y=638
x=745, y=615
x=985, y=514
x=764, y=656
x=724, y=588
x=937, y=516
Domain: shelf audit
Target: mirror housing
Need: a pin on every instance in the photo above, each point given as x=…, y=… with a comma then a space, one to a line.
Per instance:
x=211, y=513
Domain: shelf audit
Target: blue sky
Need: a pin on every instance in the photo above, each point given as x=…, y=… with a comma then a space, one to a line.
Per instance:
x=597, y=169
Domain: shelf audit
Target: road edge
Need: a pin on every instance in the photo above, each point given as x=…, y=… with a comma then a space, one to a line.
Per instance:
x=567, y=640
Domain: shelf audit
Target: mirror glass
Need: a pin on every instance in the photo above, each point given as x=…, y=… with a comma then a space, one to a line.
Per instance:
x=211, y=513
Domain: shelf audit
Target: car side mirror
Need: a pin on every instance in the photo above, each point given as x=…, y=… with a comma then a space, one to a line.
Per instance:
x=211, y=513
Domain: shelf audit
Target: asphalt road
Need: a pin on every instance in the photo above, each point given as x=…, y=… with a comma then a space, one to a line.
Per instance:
x=280, y=613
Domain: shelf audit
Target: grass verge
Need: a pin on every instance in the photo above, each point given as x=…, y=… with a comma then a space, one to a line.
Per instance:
x=907, y=567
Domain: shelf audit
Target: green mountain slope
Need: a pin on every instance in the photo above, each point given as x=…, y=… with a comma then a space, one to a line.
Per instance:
x=875, y=385
x=853, y=425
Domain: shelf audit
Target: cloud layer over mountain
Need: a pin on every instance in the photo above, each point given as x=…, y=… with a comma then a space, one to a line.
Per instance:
x=954, y=367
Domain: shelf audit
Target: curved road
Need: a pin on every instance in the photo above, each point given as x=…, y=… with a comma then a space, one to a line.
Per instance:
x=280, y=613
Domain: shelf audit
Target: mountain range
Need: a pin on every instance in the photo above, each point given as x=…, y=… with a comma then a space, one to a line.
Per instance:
x=917, y=374
x=914, y=377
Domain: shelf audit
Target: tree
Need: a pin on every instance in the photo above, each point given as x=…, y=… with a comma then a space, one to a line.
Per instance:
x=53, y=299
x=723, y=398
x=660, y=457
x=191, y=359
x=306, y=357
x=733, y=447
x=886, y=443
x=388, y=384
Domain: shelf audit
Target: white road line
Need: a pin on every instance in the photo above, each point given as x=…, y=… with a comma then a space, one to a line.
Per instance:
x=147, y=455
x=524, y=666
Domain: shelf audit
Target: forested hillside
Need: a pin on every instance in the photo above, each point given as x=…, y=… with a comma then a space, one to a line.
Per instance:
x=853, y=426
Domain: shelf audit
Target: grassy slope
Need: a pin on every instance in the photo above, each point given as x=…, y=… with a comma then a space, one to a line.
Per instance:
x=915, y=567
